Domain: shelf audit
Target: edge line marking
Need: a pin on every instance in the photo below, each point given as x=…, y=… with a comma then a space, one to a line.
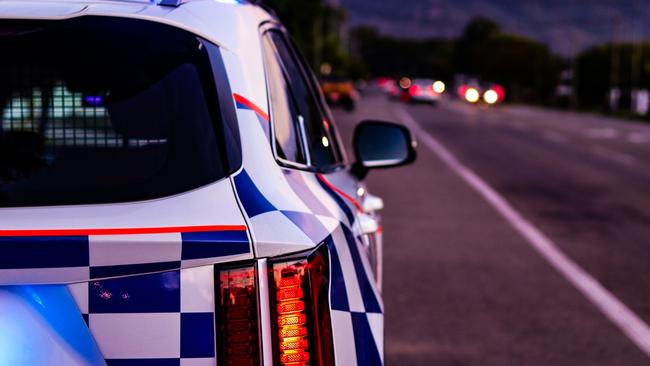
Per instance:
x=618, y=313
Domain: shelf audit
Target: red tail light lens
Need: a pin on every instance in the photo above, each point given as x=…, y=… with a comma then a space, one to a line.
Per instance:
x=303, y=327
x=237, y=324
x=414, y=90
x=293, y=335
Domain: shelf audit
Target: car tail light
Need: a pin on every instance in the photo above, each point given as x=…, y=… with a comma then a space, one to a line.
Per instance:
x=303, y=334
x=299, y=299
x=237, y=317
x=414, y=90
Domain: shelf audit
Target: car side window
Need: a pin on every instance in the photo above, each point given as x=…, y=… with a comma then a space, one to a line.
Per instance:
x=311, y=123
x=288, y=143
x=328, y=121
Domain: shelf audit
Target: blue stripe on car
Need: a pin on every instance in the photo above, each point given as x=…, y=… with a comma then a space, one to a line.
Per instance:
x=369, y=298
x=208, y=244
x=250, y=196
x=43, y=252
x=338, y=293
x=364, y=341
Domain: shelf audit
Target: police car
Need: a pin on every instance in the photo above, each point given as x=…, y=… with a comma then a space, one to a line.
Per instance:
x=173, y=191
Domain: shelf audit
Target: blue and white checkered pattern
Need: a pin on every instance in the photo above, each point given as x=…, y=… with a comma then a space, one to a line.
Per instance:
x=87, y=257
x=167, y=317
x=164, y=318
x=357, y=311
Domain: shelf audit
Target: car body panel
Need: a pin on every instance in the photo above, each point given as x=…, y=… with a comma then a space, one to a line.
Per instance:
x=161, y=318
x=150, y=304
x=307, y=206
x=107, y=240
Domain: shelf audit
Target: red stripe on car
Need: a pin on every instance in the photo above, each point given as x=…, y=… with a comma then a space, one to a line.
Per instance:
x=250, y=105
x=340, y=192
x=122, y=231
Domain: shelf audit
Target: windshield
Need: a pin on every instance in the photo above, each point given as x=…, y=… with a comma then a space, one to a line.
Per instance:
x=98, y=110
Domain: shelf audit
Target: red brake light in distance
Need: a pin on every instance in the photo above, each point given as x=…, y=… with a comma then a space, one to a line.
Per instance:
x=303, y=327
x=414, y=90
x=237, y=324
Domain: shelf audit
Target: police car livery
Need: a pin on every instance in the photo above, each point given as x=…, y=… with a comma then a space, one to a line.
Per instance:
x=173, y=191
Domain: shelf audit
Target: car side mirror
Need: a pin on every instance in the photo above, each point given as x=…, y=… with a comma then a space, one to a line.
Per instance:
x=379, y=145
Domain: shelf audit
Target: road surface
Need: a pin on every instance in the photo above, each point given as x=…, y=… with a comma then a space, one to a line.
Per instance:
x=465, y=285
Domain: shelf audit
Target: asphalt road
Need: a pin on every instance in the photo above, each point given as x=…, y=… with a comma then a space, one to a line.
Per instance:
x=462, y=286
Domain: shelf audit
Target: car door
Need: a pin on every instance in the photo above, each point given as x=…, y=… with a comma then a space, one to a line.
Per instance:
x=320, y=148
x=368, y=228
x=307, y=145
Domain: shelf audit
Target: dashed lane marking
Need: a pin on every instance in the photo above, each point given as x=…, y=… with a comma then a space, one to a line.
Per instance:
x=613, y=155
x=638, y=137
x=556, y=137
x=602, y=133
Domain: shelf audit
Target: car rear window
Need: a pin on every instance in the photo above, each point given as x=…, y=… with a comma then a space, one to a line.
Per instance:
x=100, y=110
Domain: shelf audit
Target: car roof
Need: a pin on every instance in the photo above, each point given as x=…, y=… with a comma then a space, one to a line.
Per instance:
x=227, y=23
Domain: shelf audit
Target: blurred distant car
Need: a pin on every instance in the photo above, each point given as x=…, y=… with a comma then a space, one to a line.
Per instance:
x=340, y=92
x=476, y=93
x=383, y=82
x=389, y=86
x=393, y=90
x=424, y=91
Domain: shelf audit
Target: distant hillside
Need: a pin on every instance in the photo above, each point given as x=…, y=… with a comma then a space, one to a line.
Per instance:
x=565, y=25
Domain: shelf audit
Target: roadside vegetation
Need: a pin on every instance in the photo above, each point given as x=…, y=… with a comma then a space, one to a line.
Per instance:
x=528, y=70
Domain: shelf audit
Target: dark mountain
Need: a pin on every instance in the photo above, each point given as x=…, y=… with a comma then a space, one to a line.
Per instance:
x=565, y=25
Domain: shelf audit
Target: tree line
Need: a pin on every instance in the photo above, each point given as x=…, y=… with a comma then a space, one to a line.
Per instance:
x=526, y=68
x=529, y=71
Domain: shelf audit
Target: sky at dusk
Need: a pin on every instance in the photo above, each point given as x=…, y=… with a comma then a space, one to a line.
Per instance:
x=566, y=26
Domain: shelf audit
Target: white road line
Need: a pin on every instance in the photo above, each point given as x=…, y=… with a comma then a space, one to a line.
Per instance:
x=613, y=155
x=556, y=137
x=619, y=314
x=602, y=133
x=638, y=137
